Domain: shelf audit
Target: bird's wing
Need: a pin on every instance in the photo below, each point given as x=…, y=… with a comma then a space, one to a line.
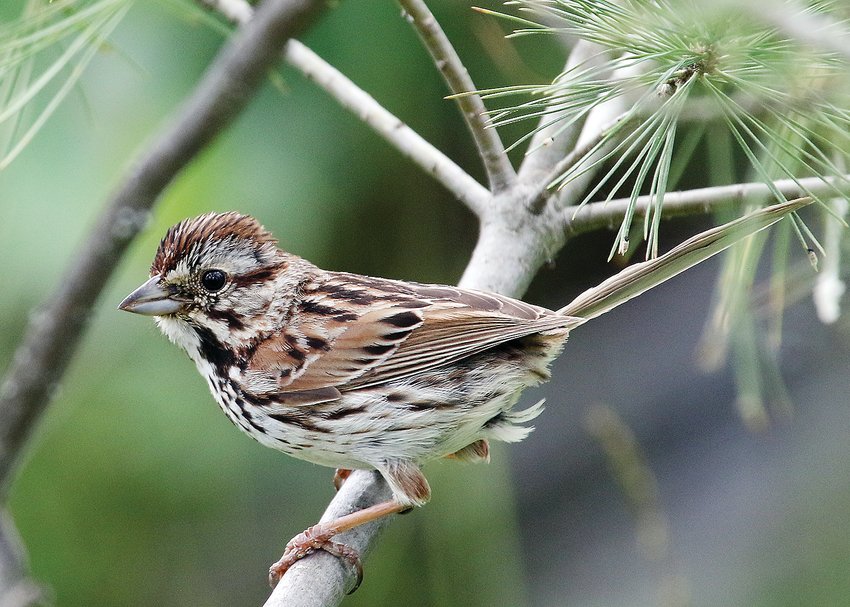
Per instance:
x=378, y=330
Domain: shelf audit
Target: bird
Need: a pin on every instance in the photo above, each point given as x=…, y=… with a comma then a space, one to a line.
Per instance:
x=357, y=372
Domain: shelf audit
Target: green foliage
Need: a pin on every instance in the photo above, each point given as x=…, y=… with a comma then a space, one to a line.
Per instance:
x=669, y=62
x=43, y=53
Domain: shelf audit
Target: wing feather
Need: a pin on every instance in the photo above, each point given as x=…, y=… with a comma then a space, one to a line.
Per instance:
x=388, y=330
x=446, y=338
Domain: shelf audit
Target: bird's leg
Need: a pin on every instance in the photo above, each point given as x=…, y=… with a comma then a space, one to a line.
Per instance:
x=409, y=487
x=339, y=477
x=318, y=537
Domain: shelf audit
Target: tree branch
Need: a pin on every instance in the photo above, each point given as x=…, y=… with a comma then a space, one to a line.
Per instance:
x=597, y=215
x=56, y=328
x=407, y=141
x=322, y=580
x=551, y=142
x=500, y=173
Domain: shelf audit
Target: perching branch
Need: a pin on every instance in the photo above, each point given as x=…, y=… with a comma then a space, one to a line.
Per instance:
x=322, y=580
x=56, y=328
x=500, y=173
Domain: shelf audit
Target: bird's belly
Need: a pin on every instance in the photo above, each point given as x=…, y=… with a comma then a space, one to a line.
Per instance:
x=423, y=417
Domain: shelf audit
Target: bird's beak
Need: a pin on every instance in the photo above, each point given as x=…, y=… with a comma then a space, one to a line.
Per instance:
x=151, y=299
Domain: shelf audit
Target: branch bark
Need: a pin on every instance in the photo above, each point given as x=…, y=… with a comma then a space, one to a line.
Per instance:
x=322, y=580
x=596, y=215
x=500, y=173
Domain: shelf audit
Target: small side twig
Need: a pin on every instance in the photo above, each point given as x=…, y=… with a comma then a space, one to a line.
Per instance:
x=499, y=170
x=535, y=205
x=551, y=142
x=598, y=215
x=407, y=141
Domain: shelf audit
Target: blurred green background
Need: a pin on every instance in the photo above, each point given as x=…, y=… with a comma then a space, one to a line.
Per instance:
x=136, y=490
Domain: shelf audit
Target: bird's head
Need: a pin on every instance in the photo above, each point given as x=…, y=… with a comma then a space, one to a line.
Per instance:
x=220, y=272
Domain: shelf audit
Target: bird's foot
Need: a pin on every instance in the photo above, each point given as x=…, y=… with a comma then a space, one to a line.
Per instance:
x=317, y=537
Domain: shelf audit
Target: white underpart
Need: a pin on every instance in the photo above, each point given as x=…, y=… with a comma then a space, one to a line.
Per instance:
x=382, y=432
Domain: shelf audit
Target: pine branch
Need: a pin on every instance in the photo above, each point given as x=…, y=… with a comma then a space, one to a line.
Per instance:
x=500, y=173
x=598, y=215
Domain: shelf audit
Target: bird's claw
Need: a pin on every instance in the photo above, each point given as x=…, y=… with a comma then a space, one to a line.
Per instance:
x=315, y=538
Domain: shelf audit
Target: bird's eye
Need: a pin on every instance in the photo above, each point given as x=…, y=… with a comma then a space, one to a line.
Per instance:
x=213, y=280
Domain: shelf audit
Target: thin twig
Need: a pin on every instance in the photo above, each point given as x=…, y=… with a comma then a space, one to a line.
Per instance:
x=596, y=215
x=402, y=137
x=360, y=103
x=551, y=141
x=56, y=328
x=535, y=205
x=500, y=173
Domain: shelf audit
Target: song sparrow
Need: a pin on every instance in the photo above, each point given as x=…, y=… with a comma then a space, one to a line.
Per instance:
x=355, y=372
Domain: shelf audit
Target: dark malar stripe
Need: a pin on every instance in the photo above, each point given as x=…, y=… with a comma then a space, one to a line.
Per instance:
x=219, y=357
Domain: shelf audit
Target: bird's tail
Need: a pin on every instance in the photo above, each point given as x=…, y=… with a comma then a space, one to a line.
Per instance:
x=640, y=277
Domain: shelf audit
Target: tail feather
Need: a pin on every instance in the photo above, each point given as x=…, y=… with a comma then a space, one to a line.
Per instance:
x=509, y=426
x=641, y=277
